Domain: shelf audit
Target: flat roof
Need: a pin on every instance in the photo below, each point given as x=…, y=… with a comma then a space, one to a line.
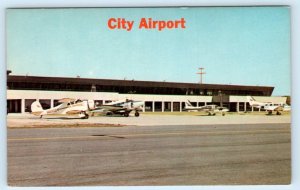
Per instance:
x=40, y=79
x=133, y=83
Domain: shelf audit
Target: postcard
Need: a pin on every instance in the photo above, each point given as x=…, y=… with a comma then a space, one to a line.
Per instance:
x=160, y=96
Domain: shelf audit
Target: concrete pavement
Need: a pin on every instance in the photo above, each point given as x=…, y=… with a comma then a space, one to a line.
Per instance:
x=150, y=155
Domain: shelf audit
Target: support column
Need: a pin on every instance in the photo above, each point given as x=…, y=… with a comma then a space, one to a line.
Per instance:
x=238, y=106
x=252, y=108
x=51, y=103
x=245, y=106
x=162, y=106
x=144, y=106
x=153, y=106
x=10, y=106
x=22, y=105
x=180, y=106
x=205, y=103
x=171, y=106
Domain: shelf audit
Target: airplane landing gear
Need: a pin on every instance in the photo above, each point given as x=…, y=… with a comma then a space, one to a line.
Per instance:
x=126, y=114
x=278, y=113
x=84, y=115
x=136, y=114
x=211, y=113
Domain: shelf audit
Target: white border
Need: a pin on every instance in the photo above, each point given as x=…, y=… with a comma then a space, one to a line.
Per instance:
x=295, y=69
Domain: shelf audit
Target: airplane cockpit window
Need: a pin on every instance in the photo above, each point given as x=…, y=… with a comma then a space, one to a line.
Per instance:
x=119, y=104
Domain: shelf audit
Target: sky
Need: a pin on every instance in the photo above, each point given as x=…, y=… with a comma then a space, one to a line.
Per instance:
x=235, y=45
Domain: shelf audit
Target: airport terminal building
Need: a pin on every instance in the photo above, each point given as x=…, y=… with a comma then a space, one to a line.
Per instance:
x=157, y=96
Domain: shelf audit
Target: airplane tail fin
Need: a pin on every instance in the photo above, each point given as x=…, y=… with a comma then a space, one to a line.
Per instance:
x=91, y=104
x=251, y=100
x=36, y=107
x=188, y=103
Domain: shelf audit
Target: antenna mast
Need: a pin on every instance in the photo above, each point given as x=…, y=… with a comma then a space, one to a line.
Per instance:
x=201, y=73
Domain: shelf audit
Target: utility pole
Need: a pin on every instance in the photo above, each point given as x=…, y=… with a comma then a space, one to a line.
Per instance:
x=201, y=73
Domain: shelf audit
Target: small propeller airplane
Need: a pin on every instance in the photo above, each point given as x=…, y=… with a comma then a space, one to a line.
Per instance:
x=121, y=107
x=68, y=107
x=210, y=109
x=268, y=106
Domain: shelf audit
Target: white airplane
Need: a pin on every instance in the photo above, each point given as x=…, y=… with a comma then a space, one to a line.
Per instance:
x=268, y=106
x=210, y=109
x=121, y=107
x=68, y=106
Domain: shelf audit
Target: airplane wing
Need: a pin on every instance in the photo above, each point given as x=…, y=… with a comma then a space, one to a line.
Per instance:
x=201, y=108
x=208, y=108
x=273, y=108
x=111, y=108
x=74, y=112
x=221, y=109
x=58, y=109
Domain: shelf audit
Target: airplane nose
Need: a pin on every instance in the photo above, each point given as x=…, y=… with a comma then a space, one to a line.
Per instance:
x=139, y=105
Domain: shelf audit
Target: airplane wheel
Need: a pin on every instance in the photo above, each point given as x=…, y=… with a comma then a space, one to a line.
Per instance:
x=126, y=114
x=223, y=114
x=278, y=113
x=209, y=113
x=86, y=116
x=214, y=113
x=136, y=114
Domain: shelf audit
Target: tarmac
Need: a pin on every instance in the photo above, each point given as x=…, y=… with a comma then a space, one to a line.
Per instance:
x=149, y=150
x=27, y=120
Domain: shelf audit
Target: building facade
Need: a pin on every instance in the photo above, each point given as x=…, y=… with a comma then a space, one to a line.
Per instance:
x=157, y=96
